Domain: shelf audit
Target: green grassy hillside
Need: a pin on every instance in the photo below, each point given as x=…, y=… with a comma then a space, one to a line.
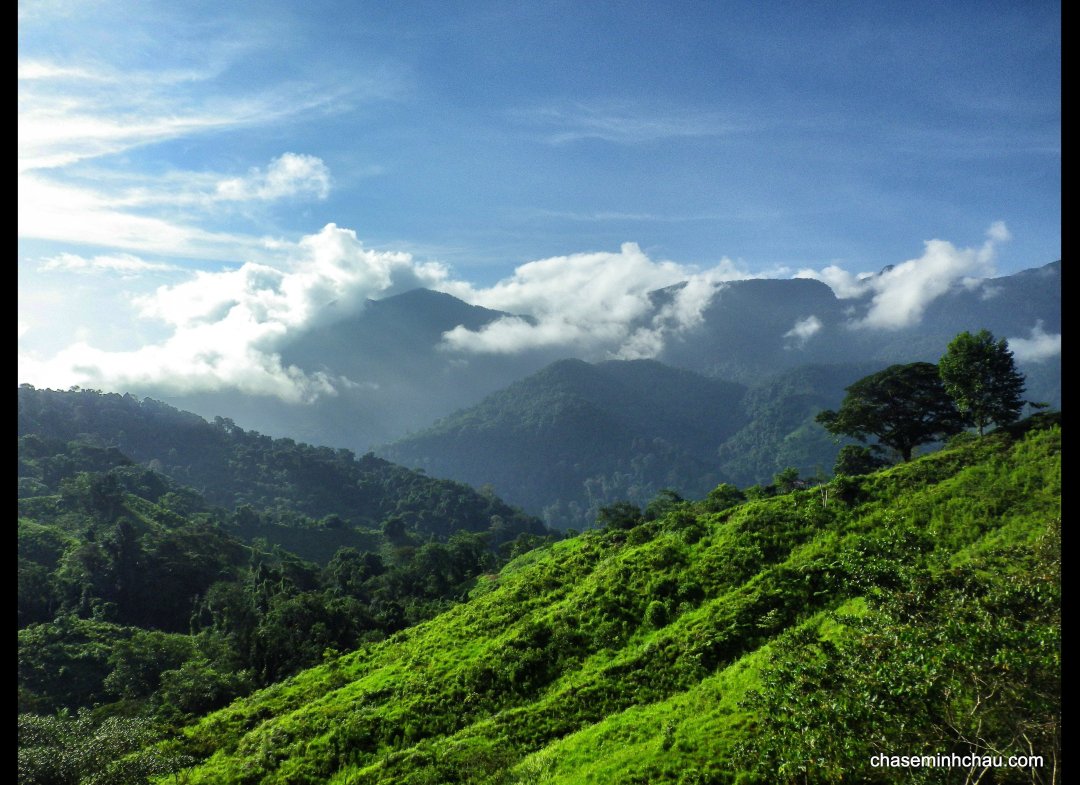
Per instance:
x=916, y=610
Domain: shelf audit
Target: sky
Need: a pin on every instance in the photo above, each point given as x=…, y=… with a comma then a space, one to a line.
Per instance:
x=199, y=181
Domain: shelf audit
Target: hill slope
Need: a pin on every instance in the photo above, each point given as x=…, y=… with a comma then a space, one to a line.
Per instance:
x=787, y=640
x=574, y=436
x=231, y=467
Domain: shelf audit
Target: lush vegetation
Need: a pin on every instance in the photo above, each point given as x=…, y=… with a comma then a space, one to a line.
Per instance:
x=141, y=605
x=915, y=610
x=978, y=372
x=902, y=407
x=284, y=480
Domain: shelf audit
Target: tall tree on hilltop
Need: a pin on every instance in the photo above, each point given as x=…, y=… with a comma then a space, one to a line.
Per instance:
x=980, y=375
x=903, y=406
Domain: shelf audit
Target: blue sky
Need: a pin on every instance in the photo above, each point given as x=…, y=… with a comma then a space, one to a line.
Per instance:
x=450, y=144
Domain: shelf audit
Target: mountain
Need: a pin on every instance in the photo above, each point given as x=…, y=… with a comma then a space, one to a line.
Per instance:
x=743, y=332
x=575, y=436
x=390, y=373
x=393, y=375
x=746, y=334
x=780, y=430
x=791, y=639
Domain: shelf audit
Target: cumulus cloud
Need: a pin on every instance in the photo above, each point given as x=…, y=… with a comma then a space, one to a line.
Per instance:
x=226, y=328
x=803, y=331
x=1038, y=347
x=595, y=303
x=122, y=264
x=227, y=325
x=900, y=294
x=844, y=284
x=289, y=175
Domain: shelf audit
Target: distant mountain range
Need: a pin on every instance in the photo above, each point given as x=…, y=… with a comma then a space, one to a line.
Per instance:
x=730, y=398
x=746, y=331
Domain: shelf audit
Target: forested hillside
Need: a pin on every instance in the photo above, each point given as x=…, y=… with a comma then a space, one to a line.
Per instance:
x=780, y=430
x=575, y=437
x=785, y=640
x=277, y=479
x=140, y=604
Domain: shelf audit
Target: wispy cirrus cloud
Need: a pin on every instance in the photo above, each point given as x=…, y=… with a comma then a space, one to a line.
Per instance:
x=622, y=123
x=81, y=215
x=61, y=125
x=72, y=115
x=122, y=264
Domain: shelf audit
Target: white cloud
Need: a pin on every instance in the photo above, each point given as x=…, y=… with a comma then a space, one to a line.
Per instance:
x=289, y=175
x=803, y=331
x=38, y=69
x=998, y=232
x=195, y=360
x=124, y=264
x=844, y=284
x=1040, y=346
x=900, y=294
x=66, y=213
x=623, y=122
x=593, y=303
x=227, y=326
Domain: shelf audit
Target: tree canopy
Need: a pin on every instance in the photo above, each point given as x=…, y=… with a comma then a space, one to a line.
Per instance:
x=902, y=406
x=981, y=377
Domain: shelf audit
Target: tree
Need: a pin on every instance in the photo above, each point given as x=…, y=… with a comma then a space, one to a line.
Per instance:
x=903, y=406
x=619, y=515
x=786, y=480
x=980, y=375
x=723, y=496
x=855, y=459
x=664, y=502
